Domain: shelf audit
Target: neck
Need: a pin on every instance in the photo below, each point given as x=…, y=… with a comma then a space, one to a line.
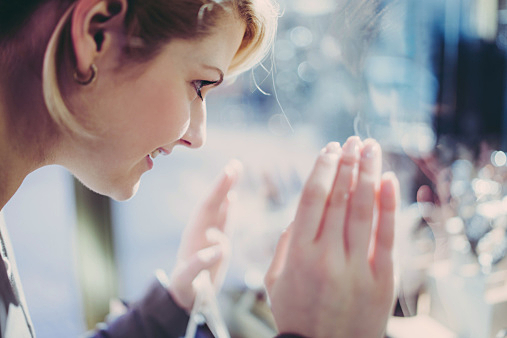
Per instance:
x=27, y=134
x=12, y=171
x=10, y=180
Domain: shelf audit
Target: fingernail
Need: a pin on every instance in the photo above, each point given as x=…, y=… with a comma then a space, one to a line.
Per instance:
x=351, y=147
x=208, y=254
x=370, y=150
x=333, y=147
x=234, y=167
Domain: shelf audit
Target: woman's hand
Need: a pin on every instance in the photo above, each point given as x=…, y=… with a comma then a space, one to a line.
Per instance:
x=435, y=203
x=205, y=244
x=332, y=274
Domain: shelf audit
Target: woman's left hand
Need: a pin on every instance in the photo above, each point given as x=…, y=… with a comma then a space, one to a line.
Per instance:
x=332, y=273
x=205, y=244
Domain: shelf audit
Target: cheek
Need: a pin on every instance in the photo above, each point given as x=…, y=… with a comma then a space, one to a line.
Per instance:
x=163, y=111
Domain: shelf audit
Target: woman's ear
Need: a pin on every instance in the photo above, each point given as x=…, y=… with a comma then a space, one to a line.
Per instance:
x=95, y=23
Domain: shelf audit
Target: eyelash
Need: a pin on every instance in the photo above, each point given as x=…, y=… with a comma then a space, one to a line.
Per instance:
x=199, y=84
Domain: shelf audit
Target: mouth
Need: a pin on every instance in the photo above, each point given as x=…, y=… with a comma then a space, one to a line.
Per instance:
x=159, y=151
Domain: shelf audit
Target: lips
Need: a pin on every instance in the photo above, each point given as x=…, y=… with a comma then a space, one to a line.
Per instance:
x=159, y=151
x=149, y=162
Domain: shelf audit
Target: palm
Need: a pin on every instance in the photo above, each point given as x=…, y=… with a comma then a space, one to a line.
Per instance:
x=203, y=238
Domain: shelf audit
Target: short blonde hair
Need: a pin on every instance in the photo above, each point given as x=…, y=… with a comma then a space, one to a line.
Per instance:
x=152, y=23
x=261, y=19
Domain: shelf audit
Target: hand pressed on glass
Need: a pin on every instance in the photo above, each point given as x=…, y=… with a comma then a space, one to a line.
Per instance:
x=329, y=273
x=205, y=244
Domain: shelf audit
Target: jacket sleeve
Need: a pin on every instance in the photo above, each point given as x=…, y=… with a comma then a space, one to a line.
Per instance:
x=155, y=315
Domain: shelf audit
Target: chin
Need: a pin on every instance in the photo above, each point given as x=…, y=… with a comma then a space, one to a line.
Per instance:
x=124, y=193
x=118, y=192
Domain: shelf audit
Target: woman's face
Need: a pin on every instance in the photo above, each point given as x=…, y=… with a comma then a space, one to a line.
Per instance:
x=147, y=110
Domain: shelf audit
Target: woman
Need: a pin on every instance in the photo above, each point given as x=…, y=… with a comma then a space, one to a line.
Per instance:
x=103, y=87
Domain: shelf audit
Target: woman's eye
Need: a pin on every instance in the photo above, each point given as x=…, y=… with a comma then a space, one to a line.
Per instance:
x=199, y=84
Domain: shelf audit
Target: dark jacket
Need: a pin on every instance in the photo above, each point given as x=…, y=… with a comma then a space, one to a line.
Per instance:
x=155, y=315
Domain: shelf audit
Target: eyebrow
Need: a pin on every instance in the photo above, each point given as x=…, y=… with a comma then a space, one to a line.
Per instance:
x=219, y=72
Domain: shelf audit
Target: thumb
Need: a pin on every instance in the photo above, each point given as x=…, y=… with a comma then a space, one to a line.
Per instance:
x=180, y=285
x=426, y=203
x=279, y=258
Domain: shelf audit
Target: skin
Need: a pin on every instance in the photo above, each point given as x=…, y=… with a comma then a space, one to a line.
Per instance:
x=325, y=256
x=132, y=110
x=135, y=109
x=159, y=106
x=205, y=241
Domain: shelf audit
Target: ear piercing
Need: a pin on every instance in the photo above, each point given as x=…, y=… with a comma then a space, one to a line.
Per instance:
x=92, y=78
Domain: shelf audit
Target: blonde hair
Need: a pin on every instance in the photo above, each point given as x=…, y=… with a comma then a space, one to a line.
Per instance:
x=261, y=18
x=151, y=24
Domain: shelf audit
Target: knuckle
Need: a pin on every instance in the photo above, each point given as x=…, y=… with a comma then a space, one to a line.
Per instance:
x=326, y=160
x=364, y=211
x=366, y=179
x=339, y=197
x=348, y=160
x=298, y=254
x=208, y=207
x=365, y=182
x=362, y=287
x=326, y=268
x=362, y=205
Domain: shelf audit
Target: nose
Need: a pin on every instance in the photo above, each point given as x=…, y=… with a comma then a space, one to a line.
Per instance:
x=195, y=136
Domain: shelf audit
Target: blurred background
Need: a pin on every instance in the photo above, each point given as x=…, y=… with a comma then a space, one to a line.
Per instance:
x=425, y=78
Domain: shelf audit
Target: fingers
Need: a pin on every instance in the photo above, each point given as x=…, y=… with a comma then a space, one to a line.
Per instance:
x=219, y=193
x=201, y=260
x=342, y=217
x=215, y=207
x=315, y=194
x=220, y=218
x=335, y=217
x=425, y=203
x=218, y=271
x=424, y=194
x=186, y=272
x=342, y=198
x=279, y=258
x=362, y=204
x=384, y=237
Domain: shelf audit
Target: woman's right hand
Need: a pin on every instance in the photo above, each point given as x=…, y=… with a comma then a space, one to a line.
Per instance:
x=332, y=274
x=205, y=241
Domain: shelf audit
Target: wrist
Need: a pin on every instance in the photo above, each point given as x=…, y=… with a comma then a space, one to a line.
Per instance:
x=184, y=302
